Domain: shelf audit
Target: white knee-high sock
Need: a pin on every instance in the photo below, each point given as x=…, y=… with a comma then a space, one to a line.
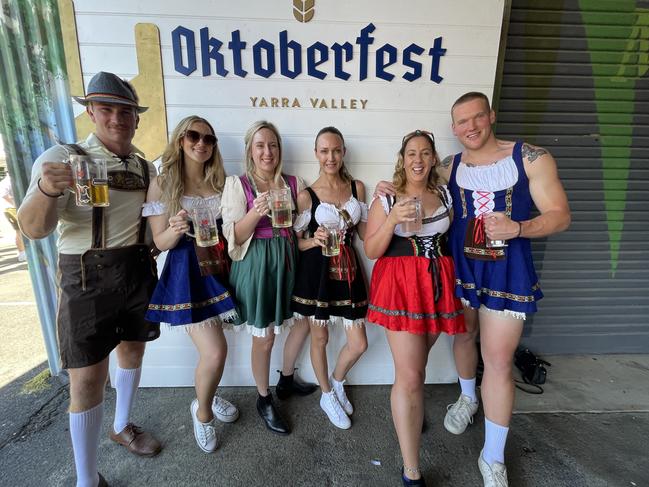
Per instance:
x=126, y=383
x=84, y=432
x=468, y=388
x=494, y=442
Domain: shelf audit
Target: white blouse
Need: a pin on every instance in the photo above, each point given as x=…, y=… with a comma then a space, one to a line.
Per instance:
x=484, y=181
x=427, y=229
x=234, y=208
x=155, y=208
x=328, y=213
x=494, y=177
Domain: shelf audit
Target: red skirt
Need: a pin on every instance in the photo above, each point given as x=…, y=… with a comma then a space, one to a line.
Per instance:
x=402, y=296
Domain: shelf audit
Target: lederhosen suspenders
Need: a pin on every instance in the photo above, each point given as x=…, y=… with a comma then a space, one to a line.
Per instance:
x=98, y=226
x=98, y=239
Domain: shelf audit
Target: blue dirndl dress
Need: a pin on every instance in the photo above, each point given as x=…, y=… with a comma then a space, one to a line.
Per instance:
x=500, y=279
x=183, y=296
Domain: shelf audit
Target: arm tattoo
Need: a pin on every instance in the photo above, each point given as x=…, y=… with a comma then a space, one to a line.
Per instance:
x=532, y=153
x=447, y=161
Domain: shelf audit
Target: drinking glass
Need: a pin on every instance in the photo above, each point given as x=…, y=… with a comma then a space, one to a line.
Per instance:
x=414, y=226
x=82, y=175
x=205, y=229
x=332, y=246
x=280, y=207
x=99, y=184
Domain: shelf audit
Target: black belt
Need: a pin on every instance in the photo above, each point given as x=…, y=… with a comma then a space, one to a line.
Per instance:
x=431, y=247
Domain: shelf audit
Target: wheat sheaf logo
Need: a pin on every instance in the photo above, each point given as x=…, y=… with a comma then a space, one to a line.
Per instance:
x=303, y=10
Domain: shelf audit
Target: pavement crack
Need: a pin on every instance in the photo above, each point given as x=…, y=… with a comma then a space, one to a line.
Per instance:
x=41, y=418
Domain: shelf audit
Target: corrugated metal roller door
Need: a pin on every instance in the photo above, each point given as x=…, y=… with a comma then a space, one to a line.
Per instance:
x=576, y=82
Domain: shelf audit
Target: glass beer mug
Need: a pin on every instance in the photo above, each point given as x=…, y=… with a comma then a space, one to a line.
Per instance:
x=414, y=226
x=90, y=180
x=81, y=173
x=279, y=201
x=205, y=230
x=332, y=246
x=99, y=183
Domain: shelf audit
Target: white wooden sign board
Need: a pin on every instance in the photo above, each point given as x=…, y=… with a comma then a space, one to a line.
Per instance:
x=373, y=113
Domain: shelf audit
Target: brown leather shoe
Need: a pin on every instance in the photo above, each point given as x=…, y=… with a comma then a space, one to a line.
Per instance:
x=137, y=441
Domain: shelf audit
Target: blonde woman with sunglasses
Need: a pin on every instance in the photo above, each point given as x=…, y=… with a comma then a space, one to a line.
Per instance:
x=411, y=292
x=187, y=295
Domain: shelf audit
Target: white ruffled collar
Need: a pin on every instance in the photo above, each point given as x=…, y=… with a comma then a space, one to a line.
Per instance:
x=498, y=176
x=328, y=212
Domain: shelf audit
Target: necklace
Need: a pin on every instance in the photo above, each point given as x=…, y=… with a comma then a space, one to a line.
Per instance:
x=267, y=181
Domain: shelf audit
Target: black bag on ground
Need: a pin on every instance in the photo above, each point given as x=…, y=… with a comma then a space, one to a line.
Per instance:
x=532, y=368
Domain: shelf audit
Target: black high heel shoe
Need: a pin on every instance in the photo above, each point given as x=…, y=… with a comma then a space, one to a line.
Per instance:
x=269, y=413
x=420, y=482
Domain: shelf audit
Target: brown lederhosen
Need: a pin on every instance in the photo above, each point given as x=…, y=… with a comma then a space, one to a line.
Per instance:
x=103, y=295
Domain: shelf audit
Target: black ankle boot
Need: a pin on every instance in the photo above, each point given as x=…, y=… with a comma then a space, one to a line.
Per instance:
x=270, y=415
x=289, y=384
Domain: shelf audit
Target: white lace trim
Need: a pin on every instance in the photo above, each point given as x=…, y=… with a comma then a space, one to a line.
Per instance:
x=500, y=175
x=154, y=208
x=213, y=201
x=263, y=332
x=302, y=221
x=505, y=312
x=224, y=320
x=333, y=320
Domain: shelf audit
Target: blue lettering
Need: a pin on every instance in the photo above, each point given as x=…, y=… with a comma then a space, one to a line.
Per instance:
x=177, y=35
x=313, y=63
x=364, y=40
x=291, y=52
x=391, y=51
x=236, y=46
x=269, y=48
x=436, y=52
x=210, y=50
x=415, y=65
x=338, y=49
x=284, y=47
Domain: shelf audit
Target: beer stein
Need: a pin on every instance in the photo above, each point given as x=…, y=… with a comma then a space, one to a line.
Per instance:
x=279, y=201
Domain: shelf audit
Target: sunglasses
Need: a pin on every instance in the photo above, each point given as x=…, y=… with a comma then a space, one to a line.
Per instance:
x=417, y=133
x=193, y=136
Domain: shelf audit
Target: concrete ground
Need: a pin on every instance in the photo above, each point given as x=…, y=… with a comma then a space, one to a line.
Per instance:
x=589, y=428
x=544, y=449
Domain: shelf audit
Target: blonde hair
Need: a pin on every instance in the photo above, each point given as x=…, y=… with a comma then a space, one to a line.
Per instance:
x=250, y=164
x=399, y=177
x=343, y=172
x=172, y=168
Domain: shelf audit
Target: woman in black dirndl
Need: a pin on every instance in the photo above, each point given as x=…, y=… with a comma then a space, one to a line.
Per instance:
x=331, y=290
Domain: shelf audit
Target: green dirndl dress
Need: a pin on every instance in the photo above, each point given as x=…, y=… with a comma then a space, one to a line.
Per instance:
x=263, y=280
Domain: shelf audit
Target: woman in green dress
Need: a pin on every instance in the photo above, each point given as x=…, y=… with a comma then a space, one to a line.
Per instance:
x=264, y=258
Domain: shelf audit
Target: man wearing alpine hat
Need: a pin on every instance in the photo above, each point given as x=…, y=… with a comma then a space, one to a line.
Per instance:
x=106, y=273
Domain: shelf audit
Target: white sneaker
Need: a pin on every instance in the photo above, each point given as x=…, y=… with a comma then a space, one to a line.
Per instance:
x=494, y=475
x=203, y=432
x=459, y=415
x=330, y=405
x=339, y=389
x=224, y=410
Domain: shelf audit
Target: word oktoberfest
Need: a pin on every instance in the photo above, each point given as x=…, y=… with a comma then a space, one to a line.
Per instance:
x=290, y=56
